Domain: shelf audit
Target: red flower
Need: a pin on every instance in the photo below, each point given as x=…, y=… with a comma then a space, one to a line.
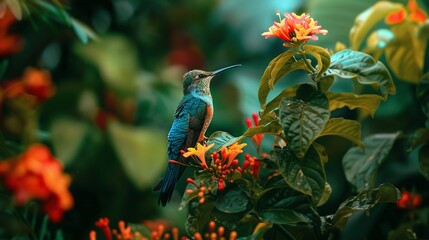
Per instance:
x=9, y=43
x=257, y=138
x=409, y=201
x=37, y=175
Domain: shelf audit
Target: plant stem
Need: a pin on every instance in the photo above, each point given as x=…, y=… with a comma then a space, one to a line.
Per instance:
x=307, y=63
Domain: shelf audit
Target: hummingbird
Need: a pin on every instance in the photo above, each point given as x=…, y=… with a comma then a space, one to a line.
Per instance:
x=191, y=120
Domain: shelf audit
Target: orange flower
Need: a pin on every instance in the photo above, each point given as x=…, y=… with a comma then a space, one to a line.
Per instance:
x=416, y=14
x=35, y=83
x=200, y=152
x=295, y=29
x=9, y=43
x=37, y=175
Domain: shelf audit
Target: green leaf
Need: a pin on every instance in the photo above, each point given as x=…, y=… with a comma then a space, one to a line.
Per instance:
x=303, y=121
x=424, y=161
x=322, y=56
x=305, y=175
x=419, y=137
x=348, y=129
x=385, y=193
x=273, y=128
x=405, y=55
x=187, y=198
x=326, y=194
x=274, y=104
x=232, y=200
x=283, y=216
x=368, y=102
x=220, y=140
x=277, y=68
x=364, y=69
x=83, y=32
x=259, y=231
x=365, y=21
x=361, y=165
x=3, y=67
x=199, y=216
x=422, y=94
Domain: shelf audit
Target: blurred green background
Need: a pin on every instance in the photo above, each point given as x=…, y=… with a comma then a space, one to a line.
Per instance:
x=115, y=97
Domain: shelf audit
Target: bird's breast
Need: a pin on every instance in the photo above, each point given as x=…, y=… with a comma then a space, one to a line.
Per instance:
x=207, y=120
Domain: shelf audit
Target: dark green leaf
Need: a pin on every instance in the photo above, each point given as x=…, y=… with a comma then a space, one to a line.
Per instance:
x=303, y=121
x=385, y=193
x=188, y=197
x=424, y=161
x=361, y=165
x=422, y=93
x=364, y=69
x=322, y=56
x=277, y=68
x=305, y=175
x=348, y=129
x=259, y=231
x=419, y=137
x=232, y=200
x=403, y=232
x=3, y=67
x=326, y=194
x=199, y=216
x=220, y=140
x=283, y=216
x=368, y=102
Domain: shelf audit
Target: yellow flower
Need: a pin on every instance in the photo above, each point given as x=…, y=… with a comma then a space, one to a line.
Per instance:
x=295, y=29
x=200, y=152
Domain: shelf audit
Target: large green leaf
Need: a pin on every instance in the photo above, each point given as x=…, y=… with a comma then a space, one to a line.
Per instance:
x=364, y=69
x=199, y=215
x=424, y=161
x=277, y=68
x=275, y=102
x=385, y=193
x=322, y=56
x=405, y=54
x=220, y=140
x=348, y=129
x=365, y=21
x=232, y=200
x=368, y=102
x=305, y=175
x=361, y=165
x=283, y=216
x=303, y=121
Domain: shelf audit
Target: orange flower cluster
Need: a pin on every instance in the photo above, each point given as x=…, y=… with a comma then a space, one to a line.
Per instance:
x=200, y=189
x=257, y=139
x=295, y=29
x=36, y=174
x=35, y=85
x=159, y=233
x=413, y=12
x=409, y=201
x=9, y=43
x=215, y=234
x=221, y=168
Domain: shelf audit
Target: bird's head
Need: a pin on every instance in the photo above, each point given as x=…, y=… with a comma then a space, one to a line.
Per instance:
x=199, y=80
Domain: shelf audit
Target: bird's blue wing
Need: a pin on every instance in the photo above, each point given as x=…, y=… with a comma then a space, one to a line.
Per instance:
x=187, y=125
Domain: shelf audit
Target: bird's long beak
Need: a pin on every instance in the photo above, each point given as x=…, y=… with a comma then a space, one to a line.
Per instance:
x=225, y=68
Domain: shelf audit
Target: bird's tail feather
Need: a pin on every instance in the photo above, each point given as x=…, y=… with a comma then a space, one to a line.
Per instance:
x=168, y=182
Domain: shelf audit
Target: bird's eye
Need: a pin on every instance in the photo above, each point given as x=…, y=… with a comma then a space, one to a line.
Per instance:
x=199, y=76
